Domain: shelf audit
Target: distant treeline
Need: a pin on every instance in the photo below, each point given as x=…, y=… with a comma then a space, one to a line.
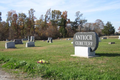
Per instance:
x=53, y=24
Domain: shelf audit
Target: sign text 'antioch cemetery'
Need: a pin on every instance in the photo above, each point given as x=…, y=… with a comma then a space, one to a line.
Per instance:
x=86, y=39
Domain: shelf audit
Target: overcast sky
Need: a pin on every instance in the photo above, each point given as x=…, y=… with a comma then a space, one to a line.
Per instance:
x=106, y=10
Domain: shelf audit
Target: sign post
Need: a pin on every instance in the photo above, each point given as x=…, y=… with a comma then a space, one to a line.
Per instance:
x=85, y=44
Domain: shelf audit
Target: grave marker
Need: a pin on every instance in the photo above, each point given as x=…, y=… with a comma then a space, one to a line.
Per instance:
x=69, y=38
x=111, y=43
x=24, y=39
x=32, y=38
x=9, y=45
x=28, y=39
x=49, y=40
x=104, y=37
x=30, y=44
x=99, y=39
x=7, y=40
x=85, y=44
x=18, y=41
x=119, y=37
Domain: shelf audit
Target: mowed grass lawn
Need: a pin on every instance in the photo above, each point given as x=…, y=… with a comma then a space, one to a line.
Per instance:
x=61, y=65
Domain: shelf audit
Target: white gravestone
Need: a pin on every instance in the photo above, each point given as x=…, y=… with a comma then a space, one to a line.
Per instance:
x=9, y=45
x=71, y=42
x=30, y=44
x=32, y=38
x=28, y=39
x=85, y=44
x=119, y=37
x=49, y=40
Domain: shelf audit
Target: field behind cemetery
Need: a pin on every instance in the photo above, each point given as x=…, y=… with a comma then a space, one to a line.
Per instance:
x=62, y=66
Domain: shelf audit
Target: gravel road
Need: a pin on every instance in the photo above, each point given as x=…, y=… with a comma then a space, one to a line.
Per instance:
x=5, y=76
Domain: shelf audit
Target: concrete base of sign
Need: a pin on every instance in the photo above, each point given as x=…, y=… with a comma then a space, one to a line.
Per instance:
x=84, y=52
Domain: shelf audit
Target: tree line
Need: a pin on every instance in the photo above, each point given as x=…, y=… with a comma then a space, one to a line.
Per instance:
x=53, y=24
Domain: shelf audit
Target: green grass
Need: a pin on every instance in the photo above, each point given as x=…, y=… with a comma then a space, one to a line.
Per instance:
x=61, y=65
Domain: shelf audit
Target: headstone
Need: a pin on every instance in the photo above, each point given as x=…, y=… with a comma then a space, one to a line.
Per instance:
x=28, y=39
x=7, y=40
x=119, y=37
x=85, y=44
x=111, y=43
x=32, y=38
x=99, y=39
x=9, y=45
x=104, y=37
x=69, y=38
x=24, y=39
x=18, y=41
x=43, y=40
x=30, y=44
x=49, y=40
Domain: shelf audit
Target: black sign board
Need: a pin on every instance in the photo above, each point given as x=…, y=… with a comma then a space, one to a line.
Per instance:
x=86, y=39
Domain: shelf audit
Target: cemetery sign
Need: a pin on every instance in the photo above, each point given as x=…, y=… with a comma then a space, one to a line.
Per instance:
x=86, y=39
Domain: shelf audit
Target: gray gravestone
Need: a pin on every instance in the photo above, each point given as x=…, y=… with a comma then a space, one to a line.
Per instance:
x=18, y=41
x=24, y=39
x=85, y=44
x=9, y=45
x=30, y=44
x=104, y=37
x=99, y=39
x=111, y=43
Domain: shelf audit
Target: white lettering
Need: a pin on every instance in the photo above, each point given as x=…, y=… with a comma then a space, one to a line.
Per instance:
x=83, y=43
x=83, y=37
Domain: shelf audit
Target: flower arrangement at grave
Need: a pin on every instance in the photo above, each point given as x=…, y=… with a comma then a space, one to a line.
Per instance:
x=42, y=61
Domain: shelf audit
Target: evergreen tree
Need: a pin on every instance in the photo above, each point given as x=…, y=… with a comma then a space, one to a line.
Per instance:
x=62, y=29
x=108, y=29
